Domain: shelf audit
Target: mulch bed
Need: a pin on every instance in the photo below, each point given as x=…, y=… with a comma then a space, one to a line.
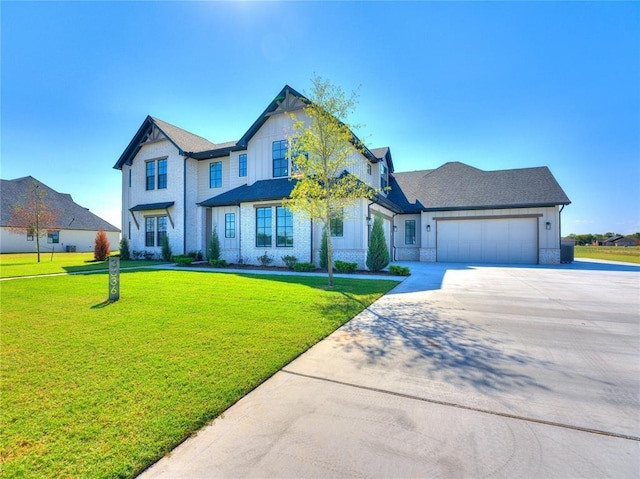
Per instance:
x=252, y=267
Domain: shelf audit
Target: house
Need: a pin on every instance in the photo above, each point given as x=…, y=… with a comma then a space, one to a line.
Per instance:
x=619, y=240
x=76, y=229
x=180, y=185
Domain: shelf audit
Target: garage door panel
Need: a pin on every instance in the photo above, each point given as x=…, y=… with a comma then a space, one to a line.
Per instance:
x=504, y=240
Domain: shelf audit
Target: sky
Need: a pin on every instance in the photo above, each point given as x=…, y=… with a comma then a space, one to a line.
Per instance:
x=495, y=85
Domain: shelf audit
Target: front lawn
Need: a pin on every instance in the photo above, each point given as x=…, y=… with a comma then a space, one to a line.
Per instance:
x=100, y=390
x=628, y=254
x=26, y=264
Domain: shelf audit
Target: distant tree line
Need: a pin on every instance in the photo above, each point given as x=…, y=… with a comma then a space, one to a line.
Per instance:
x=590, y=238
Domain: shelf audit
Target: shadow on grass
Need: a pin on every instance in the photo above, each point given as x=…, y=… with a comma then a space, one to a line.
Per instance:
x=104, y=304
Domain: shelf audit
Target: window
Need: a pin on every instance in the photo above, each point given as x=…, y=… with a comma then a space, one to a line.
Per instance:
x=336, y=223
x=296, y=151
x=155, y=228
x=215, y=175
x=284, y=227
x=230, y=225
x=368, y=168
x=151, y=175
x=263, y=227
x=151, y=182
x=53, y=237
x=410, y=232
x=384, y=179
x=280, y=160
x=162, y=174
x=242, y=165
x=30, y=233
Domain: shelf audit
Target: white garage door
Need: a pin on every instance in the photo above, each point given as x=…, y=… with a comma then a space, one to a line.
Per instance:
x=506, y=240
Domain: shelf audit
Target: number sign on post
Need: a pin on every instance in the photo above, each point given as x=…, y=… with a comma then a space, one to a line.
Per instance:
x=114, y=279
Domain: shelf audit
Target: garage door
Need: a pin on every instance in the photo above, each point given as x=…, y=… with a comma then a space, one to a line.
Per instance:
x=506, y=240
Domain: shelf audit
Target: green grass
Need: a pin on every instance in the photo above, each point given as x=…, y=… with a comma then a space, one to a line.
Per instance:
x=628, y=254
x=100, y=390
x=26, y=264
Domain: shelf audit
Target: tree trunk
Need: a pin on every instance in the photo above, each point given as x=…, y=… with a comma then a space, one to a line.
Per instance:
x=329, y=255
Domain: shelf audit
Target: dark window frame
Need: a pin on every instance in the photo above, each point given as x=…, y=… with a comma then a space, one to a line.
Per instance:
x=336, y=223
x=230, y=225
x=242, y=165
x=284, y=227
x=264, y=230
x=150, y=172
x=162, y=174
x=410, y=232
x=215, y=174
x=53, y=236
x=280, y=158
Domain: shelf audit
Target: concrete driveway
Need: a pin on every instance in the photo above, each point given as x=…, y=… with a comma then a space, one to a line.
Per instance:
x=460, y=371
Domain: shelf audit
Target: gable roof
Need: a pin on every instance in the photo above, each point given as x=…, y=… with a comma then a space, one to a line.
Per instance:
x=263, y=190
x=186, y=142
x=71, y=215
x=456, y=186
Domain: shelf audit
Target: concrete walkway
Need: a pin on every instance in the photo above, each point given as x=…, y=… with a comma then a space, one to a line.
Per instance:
x=460, y=371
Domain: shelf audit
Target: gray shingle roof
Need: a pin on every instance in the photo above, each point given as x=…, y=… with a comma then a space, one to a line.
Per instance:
x=186, y=141
x=263, y=190
x=458, y=186
x=71, y=215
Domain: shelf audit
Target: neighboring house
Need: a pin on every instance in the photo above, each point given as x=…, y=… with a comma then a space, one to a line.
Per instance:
x=181, y=185
x=75, y=231
x=619, y=240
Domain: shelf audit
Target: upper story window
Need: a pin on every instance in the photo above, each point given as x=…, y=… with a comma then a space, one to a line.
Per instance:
x=368, y=168
x=230, y=225
x=336, y=223
x=242, y=165
x=384, y=176
x=410, y=232
x=284, y=227
x=215, y=174
x=263, y=227
x=159, y=180
x=280, y=160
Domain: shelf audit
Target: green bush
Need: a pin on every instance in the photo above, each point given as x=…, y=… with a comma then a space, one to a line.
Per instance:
x=324, y=250
x=399, y=270
x=218, y=263
x=124, y=249
x=290, y=261
x=304, y=267
x=344, y=267
x=196, y=255
x=265, y=259
x=182, y=260
x=378, y=253
x=214, y=245
x=166, y=248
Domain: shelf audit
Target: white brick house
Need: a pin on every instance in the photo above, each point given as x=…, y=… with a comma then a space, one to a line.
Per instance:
x=181, y=185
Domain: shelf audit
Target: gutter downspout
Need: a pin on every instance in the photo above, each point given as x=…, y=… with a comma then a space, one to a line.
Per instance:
x=239, y=229
x=184, y=204
x=393, y=236
x=311, y=247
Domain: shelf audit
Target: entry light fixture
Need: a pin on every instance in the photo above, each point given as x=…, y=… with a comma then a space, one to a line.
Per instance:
x=395, y=229
x=548, y=225
x=369, y=220
x=428, y=227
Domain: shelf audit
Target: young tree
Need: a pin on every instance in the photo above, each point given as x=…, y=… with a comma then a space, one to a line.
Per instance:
x=214, y=246
x=324, y=263
x=101, y=247
x=33, y=215
x=125, y=254
x=322, y=149
x=378, y=252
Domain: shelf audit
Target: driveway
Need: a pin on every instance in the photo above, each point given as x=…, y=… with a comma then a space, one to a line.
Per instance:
x=460, y=371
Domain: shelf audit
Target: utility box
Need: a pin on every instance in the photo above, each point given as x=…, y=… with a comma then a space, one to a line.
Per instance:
x=566, y=253
x=71, y=248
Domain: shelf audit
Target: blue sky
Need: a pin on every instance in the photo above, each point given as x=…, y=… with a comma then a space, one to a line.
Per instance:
x=491, y=84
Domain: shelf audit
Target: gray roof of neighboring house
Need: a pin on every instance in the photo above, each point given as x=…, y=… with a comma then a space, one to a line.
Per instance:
x=456, y=186
x=263, y=190
x=71, y=215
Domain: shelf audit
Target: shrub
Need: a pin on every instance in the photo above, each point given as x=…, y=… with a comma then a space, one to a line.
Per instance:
x=214, y=245
x=166, y=248
x=265, y=259
x=218, y=263
x=101, y=248
x=378, y=253
x=324, y=250
x=124, y=249
x=148, y=254
x=304, y=267
x=344, y=267
x=399, y=270
x=290, y=261
x=183, y=260
x=196, y=255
